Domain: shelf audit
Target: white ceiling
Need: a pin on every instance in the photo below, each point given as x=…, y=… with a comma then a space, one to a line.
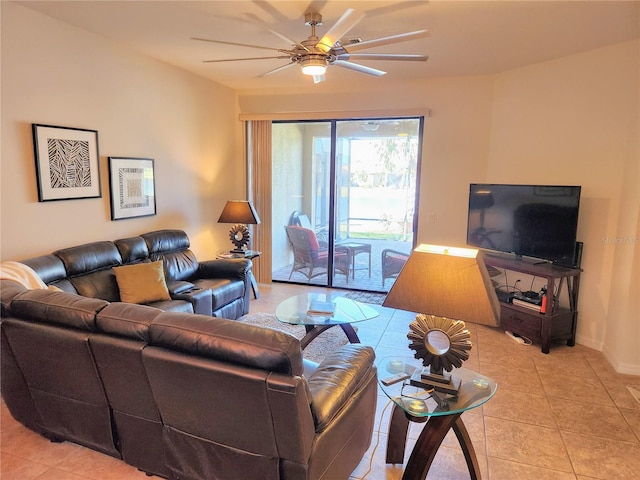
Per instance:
x=466, y=37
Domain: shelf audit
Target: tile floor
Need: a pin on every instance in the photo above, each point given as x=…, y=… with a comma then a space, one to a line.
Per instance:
x=562, y=416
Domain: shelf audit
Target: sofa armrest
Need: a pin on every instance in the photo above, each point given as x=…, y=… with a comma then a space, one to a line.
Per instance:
x=200, y=298
x=337, y=378
x=179, y=286
x=225, y=268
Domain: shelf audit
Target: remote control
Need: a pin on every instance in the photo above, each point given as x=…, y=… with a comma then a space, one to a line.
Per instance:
x=398, y=377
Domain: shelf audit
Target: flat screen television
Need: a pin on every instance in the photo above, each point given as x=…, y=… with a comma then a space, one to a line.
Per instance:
x=538, y=221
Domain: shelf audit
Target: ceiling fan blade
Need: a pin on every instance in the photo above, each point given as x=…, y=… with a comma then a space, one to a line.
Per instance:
x=239, y=44
x=378, y=42
x=277, y=69
x=382, y=56
x=359, y=68
x=271, y=10
x=346, y=22
x=265, y=26
x=387, y=9
x=241, y=59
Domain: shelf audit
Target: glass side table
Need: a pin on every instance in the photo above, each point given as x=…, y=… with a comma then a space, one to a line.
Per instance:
x=440, y=411
x=295, y=310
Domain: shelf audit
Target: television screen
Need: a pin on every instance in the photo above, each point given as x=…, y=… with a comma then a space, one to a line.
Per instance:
x=539, y=221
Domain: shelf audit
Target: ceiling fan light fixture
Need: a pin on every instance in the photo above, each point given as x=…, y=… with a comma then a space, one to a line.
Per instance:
x=314, y=65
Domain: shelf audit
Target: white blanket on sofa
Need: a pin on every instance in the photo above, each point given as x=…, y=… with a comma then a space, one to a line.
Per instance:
x=21, y=273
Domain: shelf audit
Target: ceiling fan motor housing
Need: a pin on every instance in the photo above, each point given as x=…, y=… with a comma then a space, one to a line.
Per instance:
x=312, y=19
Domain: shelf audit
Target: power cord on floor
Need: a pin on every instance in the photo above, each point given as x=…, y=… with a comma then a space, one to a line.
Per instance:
x=516, y=337
x=373, y=452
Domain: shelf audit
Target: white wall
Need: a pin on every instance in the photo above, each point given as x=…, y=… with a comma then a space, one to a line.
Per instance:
x=54, y=73
x=573, y=120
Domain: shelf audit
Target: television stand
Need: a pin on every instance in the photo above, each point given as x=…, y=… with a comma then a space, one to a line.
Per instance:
x=558, y=323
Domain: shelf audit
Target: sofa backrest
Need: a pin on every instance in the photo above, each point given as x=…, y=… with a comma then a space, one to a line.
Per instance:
x=231, y=395
x=48, y=333
x=51, y=270
x=89, y=268
x=132, y=250
x=172, y=247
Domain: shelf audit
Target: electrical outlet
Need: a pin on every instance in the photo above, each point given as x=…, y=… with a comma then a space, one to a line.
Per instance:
x=431, y=218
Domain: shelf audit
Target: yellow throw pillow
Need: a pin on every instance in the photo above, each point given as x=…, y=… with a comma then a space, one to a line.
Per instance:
x=142, y=283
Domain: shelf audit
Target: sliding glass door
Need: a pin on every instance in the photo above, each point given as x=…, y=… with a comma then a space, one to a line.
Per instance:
x=343, y=192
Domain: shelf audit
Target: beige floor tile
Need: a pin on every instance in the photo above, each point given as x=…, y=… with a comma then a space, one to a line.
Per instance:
x=506, y=470
x=621, y=395
x=520, y=407
x=527, y=444
x=24, y=443
x=502, y=354
x=601, y=458
x=57, y=474
x=590, y=419
x=514, y=379
x=17, y=468
x=95, y=465
x=633, y=419
x=580, y=389
x=564, y=364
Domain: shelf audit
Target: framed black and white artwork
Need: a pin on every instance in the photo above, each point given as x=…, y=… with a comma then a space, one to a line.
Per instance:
x=132, y=185
x=67, y=163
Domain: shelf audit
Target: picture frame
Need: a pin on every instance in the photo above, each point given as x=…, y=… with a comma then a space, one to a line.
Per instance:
x=67, y=162
x=132, y=186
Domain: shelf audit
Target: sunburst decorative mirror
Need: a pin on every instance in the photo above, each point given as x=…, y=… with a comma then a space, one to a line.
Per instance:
x=239, y=236
x=442, y=344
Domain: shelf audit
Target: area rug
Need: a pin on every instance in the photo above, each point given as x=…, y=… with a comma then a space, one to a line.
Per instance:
x=367, y=297
x=320, y=347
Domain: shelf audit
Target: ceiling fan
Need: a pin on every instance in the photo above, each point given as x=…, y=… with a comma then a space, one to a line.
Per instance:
x=315, y=54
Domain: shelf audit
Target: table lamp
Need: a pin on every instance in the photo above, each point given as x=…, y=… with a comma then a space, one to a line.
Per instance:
x=240, y=213
x=449, y=286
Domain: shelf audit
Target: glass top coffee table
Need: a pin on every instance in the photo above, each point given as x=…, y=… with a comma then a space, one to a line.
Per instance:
x=440, y=411
x=296, y=311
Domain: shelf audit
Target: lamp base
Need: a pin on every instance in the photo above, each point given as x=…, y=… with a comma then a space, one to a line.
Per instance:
x=443, y=383
x=238, y=251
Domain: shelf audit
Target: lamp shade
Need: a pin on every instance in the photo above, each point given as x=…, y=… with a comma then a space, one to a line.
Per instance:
x=239, y=211
x=448, y=282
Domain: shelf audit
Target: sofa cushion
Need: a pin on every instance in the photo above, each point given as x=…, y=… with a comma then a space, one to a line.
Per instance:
x=142, y=282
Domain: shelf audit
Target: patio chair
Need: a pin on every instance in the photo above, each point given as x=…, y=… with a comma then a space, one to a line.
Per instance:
x=309, y=258
x=392, y=263
x=300, y=219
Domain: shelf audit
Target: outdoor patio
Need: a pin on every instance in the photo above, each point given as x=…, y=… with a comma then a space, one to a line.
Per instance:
x=358, y=279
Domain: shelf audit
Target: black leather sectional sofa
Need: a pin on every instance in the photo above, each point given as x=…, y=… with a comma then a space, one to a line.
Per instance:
x=176, y=394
